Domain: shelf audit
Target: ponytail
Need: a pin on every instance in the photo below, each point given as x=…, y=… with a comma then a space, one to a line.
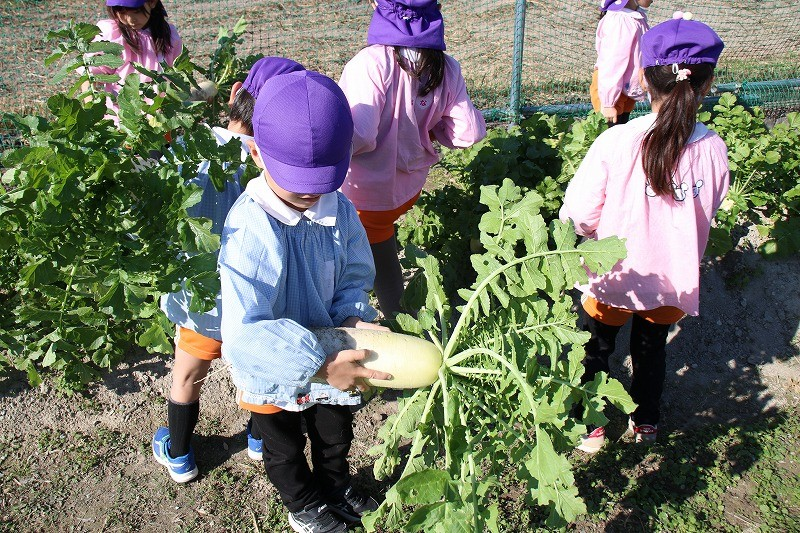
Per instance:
x=157, y=24
x=677, y=115
x=429, y=68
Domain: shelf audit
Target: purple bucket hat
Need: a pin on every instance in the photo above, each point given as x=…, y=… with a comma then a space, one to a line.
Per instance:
x=133, y=4
x=304, y=132
x=680, y=40
x=612, y=5
x=266, y=68
x=409, y=23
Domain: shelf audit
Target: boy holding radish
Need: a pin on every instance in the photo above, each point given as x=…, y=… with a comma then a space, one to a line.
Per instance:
x=197, y=335
x=294, y=256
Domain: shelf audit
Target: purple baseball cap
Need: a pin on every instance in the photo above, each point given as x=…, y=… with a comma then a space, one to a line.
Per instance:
x=680, y=40
x=304, y=131
x=612, y=5
x=133, y=4
x=264, y=69
x=409, y=23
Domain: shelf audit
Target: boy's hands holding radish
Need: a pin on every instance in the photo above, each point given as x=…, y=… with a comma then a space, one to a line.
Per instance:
x=343, y=370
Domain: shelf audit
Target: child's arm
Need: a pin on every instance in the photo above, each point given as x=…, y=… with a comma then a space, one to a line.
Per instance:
x=462, y=124
x=255, y=341
x=176, y=46
x=350, y=298
x=586, y=192
x=363, y=84
x=619, y=36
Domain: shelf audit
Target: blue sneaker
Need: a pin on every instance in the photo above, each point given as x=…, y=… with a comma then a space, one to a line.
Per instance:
x=181, y=469
x=255, y=447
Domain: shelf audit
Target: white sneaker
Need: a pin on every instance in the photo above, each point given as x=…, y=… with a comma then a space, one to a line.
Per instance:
x=593, y=441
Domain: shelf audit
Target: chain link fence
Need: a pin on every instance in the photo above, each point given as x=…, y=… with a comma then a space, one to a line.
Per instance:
x=516, y=55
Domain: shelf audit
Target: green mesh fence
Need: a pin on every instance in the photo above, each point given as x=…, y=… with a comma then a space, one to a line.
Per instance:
x=761, y=61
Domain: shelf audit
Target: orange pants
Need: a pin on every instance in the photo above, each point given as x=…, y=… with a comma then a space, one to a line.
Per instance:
x=380, y=224
x=615, y=316
x=625, y=104
x=197, y=345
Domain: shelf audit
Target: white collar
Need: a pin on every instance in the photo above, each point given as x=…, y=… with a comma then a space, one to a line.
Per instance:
x=700, y=129
x=323, y=212
x=225, y=135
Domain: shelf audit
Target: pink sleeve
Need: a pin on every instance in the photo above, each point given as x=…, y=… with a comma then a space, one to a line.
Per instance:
x=176, y=48
x=462, y=124
x=586, y=192
x=617, y=40
x=362, y=81
x=722, y=175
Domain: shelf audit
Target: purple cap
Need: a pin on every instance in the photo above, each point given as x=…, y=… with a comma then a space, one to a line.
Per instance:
x=304, y=132
x=680, y=40
x=613, y=5
x=264, y=69
x=410, y=23
x=133, y=4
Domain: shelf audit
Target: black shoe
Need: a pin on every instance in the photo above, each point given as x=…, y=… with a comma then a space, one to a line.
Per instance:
x=316, y=519
x=352, y=505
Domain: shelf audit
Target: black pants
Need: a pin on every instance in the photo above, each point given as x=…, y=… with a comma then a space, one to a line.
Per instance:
x=330, y=430
x=648, y=356
x=622, y=118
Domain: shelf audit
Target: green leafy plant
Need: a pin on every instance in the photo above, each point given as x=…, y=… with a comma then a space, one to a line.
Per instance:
x=512, y=371
x=93, y=217
x=765, y=178
x=225, y=67
x=542, y=154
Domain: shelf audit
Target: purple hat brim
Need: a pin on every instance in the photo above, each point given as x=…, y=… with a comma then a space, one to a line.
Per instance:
x=133, y=4
x=305, y=180
x=614, y=7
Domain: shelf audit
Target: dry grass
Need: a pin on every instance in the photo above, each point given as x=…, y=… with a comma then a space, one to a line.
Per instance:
x=557, y=61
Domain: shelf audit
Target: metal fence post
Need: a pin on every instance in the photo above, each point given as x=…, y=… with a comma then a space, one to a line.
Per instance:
x=516, y=69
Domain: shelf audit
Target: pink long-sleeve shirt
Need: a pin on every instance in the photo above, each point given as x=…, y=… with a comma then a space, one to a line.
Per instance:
x=665, y=236
x=619, y=55
x=147, y=56
x=392, y=149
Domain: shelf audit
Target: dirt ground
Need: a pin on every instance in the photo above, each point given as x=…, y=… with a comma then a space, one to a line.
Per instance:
x=83, y=463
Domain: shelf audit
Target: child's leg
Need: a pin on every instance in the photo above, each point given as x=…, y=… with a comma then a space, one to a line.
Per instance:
x=183, y=408
x=388, y=276
x=599, y=348
x=330, y=429
x=648, y=357
x=285, y=460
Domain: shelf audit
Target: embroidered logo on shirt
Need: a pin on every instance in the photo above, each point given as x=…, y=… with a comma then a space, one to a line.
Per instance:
x=423, y=102
x=303, y=399
x=678, y=191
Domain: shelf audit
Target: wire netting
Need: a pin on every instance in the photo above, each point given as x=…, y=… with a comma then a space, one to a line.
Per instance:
x=761, y=61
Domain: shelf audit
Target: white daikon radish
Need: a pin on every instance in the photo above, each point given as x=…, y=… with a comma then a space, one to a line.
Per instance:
x=412, y=362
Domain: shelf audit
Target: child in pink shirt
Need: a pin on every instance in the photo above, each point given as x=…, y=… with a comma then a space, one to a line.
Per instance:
x=404, y=93
x=615, y=82
x=655, y=182
x=141, y=27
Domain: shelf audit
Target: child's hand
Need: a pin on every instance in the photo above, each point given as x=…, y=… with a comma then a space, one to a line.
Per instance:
x=343, y=371
x=610, y=113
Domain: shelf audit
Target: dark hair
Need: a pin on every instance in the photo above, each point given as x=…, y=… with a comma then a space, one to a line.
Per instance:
x=677, y=115
x=429, y=69
x=157, y=24
x=242, y=109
